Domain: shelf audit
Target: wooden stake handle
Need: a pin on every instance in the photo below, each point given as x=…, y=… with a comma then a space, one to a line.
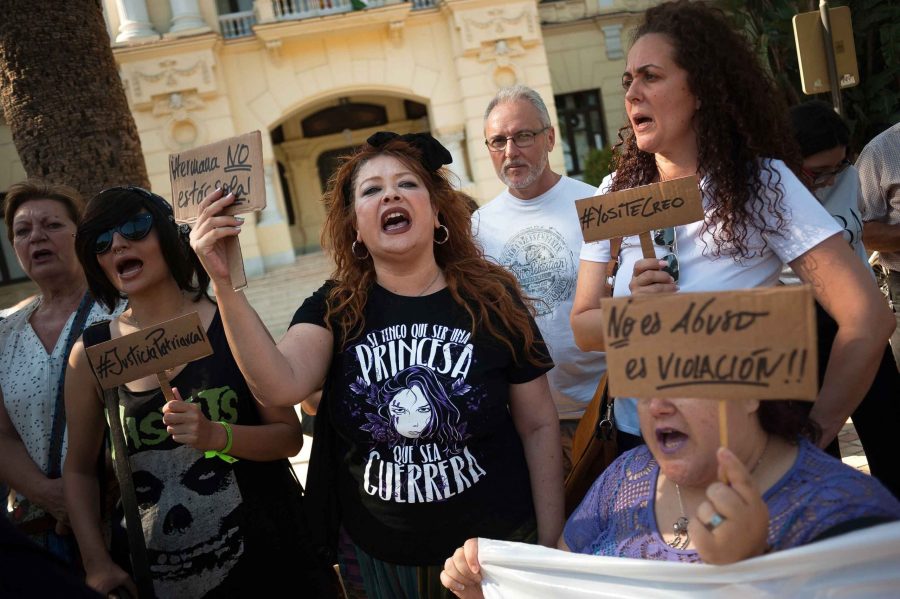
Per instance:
x=723, y=429
x=647, y=245
x=166, y=385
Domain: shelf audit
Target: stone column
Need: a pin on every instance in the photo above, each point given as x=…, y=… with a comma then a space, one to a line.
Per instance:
x=134, y=22
x=453, y=143
x=270, y=214
x=186, y=18
x=274, y=237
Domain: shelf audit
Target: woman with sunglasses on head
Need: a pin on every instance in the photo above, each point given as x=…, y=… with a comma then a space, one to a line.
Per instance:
x=406, y=478
x=41, y=220
x=699, y=103
x=219, y=506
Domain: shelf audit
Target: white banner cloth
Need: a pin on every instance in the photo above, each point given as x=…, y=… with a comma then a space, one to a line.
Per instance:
x=864, y=563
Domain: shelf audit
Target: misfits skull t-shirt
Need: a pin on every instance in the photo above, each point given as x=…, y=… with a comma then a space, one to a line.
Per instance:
x=429, y=455
x=212, y=528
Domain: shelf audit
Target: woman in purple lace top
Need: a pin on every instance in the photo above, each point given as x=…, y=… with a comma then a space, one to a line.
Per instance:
x=665, y=501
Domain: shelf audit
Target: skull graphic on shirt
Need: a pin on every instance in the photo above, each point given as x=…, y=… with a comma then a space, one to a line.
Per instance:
x=189, y=508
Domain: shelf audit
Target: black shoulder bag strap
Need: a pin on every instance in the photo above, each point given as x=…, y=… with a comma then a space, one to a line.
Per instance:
x=54, y=464
x=140, y=563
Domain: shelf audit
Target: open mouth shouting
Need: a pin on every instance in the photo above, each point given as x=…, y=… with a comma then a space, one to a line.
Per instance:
x=41, y=256
x=395, y=220
x=670, y=440
x=640, y=122
x=128, y=267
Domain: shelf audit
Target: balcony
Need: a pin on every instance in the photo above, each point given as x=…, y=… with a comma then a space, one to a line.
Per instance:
x=240, y=24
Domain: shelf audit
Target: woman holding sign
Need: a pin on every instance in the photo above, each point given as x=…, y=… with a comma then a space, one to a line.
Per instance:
x=663, y=501
x=699, y=103
x=219, y=506
x=436, y=422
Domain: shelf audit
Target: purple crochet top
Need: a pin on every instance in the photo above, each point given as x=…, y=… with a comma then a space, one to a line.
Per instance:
x=616, y=517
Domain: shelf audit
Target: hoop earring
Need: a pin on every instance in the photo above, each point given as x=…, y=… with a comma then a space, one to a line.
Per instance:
x=356, y=254
x=446, y=235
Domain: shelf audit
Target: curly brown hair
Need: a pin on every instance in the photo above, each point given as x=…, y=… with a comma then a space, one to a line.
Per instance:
x=742, y=120
x=489, y=293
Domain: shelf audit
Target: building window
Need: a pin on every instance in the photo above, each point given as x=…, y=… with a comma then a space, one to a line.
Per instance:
x=346, y=115
x=582, y=127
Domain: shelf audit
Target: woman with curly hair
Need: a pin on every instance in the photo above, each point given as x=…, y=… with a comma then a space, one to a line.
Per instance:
x=698, y=102
x=410, y=289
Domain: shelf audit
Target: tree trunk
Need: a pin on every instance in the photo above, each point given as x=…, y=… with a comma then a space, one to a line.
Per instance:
x=62, y=97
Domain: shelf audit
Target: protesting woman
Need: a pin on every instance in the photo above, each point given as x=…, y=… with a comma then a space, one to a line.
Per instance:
x=823, y=137
x=698, y=103
x=219, y=507
x=34, y=345
x=663, y=500
x=412, y=477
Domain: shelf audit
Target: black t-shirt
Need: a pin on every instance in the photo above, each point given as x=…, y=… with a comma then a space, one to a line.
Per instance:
x=214, y=529
x=427, y=452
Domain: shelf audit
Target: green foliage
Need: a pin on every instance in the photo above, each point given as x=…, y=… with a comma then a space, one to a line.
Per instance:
x=871, y=106
x=597, y=165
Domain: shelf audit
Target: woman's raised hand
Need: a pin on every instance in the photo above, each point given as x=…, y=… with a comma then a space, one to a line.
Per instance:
x=733, y=523
x=462, y=572
x=649, y=277
x=209, y=232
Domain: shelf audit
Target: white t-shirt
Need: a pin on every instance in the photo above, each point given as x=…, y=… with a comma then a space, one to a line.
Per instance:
x=29, y=375
x=807, y=224
x=538, y=240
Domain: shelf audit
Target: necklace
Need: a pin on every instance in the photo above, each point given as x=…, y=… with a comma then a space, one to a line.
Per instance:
x=680, y=527
x=427, y=287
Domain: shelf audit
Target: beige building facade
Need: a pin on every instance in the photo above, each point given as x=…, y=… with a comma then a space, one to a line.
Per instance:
x=317, y=77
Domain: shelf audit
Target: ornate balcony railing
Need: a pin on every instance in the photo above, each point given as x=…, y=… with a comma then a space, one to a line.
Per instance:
x=237, y=24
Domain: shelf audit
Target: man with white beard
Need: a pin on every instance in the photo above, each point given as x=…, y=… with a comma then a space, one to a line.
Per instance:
x=532, y=229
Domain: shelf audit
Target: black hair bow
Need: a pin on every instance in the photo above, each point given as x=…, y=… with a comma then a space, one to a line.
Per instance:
x=434, y=155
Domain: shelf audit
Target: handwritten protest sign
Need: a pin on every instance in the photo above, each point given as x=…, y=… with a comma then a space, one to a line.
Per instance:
x=754, y=344
x=152, y=350
x=638, y=210
x=234, y=164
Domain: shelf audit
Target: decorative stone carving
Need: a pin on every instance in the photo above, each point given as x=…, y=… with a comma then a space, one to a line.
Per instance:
x=182, y=131
x=177, y=73
x=395, y=32
x=483, y=27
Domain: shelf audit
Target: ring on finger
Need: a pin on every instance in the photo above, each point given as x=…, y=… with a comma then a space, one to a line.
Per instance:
x=715, y=521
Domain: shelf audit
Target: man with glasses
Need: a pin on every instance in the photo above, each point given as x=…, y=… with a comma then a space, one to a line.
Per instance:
x=879, y=173
x=531, y=228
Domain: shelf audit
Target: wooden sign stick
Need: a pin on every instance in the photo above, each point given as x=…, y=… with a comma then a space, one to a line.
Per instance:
x=165, y=385
x=647, y=245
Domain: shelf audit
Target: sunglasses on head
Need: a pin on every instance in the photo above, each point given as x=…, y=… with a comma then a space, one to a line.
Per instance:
x=666, y=238
x=135, y=228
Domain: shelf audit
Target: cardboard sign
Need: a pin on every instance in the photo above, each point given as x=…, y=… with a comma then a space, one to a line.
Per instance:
x=235, y=164
x=808, y=30
x=640, y=209
x=753, y=344
x=149, y=351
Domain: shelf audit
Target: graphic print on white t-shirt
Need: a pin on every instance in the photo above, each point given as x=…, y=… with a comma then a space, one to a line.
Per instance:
x=410, y=379
x=541, y=260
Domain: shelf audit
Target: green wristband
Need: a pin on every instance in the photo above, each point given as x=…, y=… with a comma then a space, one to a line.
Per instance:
x=223, y=453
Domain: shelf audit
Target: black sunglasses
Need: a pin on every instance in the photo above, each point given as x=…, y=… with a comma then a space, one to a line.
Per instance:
x=666, y=237
x=135, y=228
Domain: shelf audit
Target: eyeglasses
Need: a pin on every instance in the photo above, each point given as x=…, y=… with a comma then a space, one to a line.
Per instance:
x=666, y=237
x=135, y=228
x=522, y=139
x=818, y=177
